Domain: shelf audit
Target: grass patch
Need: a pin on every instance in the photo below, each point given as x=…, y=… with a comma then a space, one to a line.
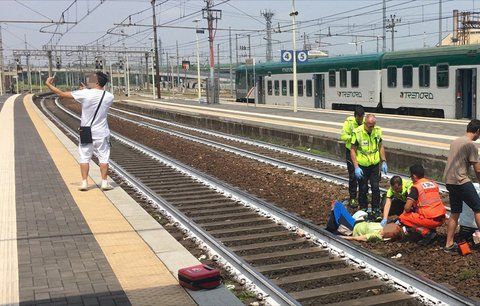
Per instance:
x=242, y=294
x=466, y=274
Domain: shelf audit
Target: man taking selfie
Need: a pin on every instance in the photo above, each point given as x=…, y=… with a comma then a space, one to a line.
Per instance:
x=95, y=103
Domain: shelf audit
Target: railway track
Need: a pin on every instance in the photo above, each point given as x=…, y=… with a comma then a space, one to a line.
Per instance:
x=287, y=260
x=305, y=162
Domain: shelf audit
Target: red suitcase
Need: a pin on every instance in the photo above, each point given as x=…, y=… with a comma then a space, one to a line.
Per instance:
x=199, y=277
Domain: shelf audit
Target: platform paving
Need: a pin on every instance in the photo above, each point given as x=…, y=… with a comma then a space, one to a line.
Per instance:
x=59, y=260
x=168, y=250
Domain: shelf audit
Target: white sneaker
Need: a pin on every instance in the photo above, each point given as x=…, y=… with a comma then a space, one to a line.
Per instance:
x=83, y=186
x=106, y=186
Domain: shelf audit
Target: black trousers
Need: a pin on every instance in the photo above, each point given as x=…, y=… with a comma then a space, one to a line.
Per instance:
x=396, y=208
x=371, y=175
x=352, y=181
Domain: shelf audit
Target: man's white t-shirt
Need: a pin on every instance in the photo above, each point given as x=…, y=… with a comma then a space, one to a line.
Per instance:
x=89, y=98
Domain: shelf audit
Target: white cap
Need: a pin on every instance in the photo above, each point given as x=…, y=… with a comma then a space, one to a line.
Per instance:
x=359, y=215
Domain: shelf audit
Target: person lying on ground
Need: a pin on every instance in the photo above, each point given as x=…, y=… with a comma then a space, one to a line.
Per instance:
x=357, y=228
x=395, y=198
x=424, y=209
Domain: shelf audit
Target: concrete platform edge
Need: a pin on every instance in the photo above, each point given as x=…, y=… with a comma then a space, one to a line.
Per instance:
x=327, y=131
x=173, y=255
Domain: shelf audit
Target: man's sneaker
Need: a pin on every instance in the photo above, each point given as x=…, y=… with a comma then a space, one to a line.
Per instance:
x=106, y=186
x=374, y=215
x=453, y=249
x=428, y=238
x=353, y=203
x=83, y=186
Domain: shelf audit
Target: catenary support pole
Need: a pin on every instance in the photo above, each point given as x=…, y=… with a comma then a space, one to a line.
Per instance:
x=236, y=49
x=155, y=39
x=384, y=38
x=147, y=73
x=294, y=38
x=178, y=67
x=2, y=78
x=199, y=81
x=231, y=61
x=440, y=35
x=50, y=63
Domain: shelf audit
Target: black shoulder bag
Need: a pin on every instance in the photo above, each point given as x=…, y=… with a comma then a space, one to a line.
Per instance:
x=86, y=131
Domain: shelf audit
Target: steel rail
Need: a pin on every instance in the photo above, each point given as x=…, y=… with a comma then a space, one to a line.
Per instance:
x=268, y=289
x=428, y=290
x=262, y=144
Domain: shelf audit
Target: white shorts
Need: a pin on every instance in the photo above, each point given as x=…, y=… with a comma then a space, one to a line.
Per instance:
x=99, y=147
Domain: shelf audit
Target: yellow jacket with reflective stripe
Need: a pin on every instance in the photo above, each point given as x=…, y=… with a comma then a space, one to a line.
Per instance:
x=368, y=145
x=349, y=125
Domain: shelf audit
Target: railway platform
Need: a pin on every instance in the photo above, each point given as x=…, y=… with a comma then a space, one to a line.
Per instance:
x=407, y=139
x=416, y=134
x=61, y=246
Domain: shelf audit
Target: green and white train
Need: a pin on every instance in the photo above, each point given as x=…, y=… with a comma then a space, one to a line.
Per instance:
x=435, y=82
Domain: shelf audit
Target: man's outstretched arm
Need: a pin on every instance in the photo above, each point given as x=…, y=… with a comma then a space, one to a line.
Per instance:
x=59, y=92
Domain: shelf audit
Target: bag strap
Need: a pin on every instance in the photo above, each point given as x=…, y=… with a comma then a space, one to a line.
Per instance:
x=98, y=107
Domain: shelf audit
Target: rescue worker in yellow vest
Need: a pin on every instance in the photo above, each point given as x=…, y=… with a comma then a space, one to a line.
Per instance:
x=350, y=124
x=396, y=197
x=368, y=157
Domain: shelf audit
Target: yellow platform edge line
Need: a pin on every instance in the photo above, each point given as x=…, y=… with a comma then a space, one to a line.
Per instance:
x=140, y=273
x=9, y=279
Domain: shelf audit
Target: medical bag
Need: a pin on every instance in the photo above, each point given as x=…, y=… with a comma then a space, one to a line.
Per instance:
x=199, y=277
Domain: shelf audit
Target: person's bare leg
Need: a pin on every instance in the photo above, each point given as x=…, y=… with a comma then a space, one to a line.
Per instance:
x=451, y=228
x=104, y=171
x=84, y=168
x=477, y=219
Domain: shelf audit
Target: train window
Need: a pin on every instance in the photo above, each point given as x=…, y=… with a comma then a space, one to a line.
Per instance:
x=277, y=87
x=309, y=88
x=269, y=87
x=300, y=88
x=284, y=88
x=424, y=75
x=343, y=77
x=354, y=75
x=290, y=84
x=392, y=76
x=332, y=78
x=407, y=76
x=442, y=75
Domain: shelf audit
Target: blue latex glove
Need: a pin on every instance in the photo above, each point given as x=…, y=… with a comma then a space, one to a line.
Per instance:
x=358, y=173
x=384, y=168
x=383, y=223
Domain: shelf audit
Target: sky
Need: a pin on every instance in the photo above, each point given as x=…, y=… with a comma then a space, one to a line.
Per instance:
x=354, y=25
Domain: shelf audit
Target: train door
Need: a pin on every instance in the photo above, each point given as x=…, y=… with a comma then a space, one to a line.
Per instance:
x=319, y=80
x=260, y=92
x=466, y=93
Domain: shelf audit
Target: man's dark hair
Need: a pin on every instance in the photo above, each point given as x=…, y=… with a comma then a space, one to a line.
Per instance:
x=417, y=170
x=102, y=78
x=473, y=126
x=359, y=111
x=396, y=180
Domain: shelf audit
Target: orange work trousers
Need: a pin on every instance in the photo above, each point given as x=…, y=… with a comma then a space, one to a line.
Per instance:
x=419, y=223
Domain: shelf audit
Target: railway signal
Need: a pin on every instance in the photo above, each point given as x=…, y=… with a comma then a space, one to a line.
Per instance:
x=99, y=63
x=58, y=62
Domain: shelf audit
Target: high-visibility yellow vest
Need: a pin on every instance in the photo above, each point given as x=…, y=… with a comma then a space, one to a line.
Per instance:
x=368, y=145
x=349, y=125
